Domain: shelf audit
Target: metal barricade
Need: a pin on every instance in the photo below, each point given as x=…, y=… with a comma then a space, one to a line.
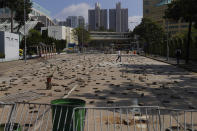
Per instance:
x=178, y=120
x=33, y=117
x=136, y=119
x=6, y=111
x=25, y=117
x=47, y=117
x=119, y=119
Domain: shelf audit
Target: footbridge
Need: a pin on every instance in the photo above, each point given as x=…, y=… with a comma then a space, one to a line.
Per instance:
x=110, y=36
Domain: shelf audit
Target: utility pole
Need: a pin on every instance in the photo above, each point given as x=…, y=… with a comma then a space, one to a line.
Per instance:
x=25, y=33
x=167, y=41
x=82, y=40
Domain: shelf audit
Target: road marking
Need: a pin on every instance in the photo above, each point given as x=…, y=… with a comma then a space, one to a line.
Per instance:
x=66, y=96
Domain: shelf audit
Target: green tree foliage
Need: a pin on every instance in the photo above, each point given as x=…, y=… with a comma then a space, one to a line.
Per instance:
x=151, y=35
x=82, y=34
x=19, y=15
x=60, y=45
x=179, y=40
x=183, y=10
x=17, y=10
x=34, y=38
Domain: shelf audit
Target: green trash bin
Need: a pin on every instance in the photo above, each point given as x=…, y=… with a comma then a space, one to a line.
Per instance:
x=62, y=114
x=7, y=127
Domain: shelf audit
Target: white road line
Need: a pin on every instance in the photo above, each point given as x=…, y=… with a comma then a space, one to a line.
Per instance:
x=70, y=91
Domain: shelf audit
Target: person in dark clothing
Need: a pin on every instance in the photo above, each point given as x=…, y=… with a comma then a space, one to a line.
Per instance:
x=119, y=56
x=178, y=55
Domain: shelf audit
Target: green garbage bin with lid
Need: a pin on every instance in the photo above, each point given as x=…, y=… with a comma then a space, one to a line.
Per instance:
x=63, y=114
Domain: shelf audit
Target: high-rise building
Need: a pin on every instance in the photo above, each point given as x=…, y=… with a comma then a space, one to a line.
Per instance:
x=75, y=21
x=72, y=21
x=61, y=33
x=118, y=19
x=97, y=18
x=81, y=21
x=62, y=23
x=155, y=10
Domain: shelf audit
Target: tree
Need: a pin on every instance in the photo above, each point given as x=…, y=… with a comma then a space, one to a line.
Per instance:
x=33, y=38
x=82, y=34
x=151, y=34
x=60, y=45
x=17, y=10
x=19, y=15
x=183, y=10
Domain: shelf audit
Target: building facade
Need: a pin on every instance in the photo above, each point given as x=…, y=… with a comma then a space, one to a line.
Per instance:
x=155, y=10
x=9, y=45
x=72, y=21
x=38, y=13
x=56, y=32
x=71, y=38
x=118, y=19
x=97, y=18
x=62, y=23
x=75, y=21
x=81, y=21
x=61, y=33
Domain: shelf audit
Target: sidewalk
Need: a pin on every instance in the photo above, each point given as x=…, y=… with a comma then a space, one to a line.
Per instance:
x=192, y=66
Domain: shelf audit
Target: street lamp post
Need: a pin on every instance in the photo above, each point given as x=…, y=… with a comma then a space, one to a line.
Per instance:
x=167, y=53
x=25, y=33
x=82, y=40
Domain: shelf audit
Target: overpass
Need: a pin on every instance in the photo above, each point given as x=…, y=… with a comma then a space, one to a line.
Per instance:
x=120, y=36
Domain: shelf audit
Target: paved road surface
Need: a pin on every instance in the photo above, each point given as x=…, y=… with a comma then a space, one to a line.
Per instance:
x=103, y=82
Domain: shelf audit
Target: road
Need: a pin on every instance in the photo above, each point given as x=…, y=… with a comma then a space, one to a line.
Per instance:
x=100, y=81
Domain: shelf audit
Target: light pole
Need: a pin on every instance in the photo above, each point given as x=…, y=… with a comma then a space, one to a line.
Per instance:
x=25, y=33
x=82, y=40
x=167, y=55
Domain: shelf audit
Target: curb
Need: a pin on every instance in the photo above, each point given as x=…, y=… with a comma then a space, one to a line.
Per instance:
x=179, y=66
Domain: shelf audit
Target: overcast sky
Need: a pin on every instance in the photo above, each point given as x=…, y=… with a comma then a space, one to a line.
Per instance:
x=60, y=9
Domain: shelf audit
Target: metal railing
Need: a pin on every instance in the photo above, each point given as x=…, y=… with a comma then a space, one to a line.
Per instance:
x=119, y=119
x=47, y=117
x=136, y=119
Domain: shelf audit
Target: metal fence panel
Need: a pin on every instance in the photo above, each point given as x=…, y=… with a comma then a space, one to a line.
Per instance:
x=119, y=119
x=47, y=117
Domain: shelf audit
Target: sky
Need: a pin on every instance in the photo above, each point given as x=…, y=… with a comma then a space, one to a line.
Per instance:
x=60, y=9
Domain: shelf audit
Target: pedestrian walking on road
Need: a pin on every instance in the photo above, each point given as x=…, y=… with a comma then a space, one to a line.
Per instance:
x=178, y=55
x=119, y=56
